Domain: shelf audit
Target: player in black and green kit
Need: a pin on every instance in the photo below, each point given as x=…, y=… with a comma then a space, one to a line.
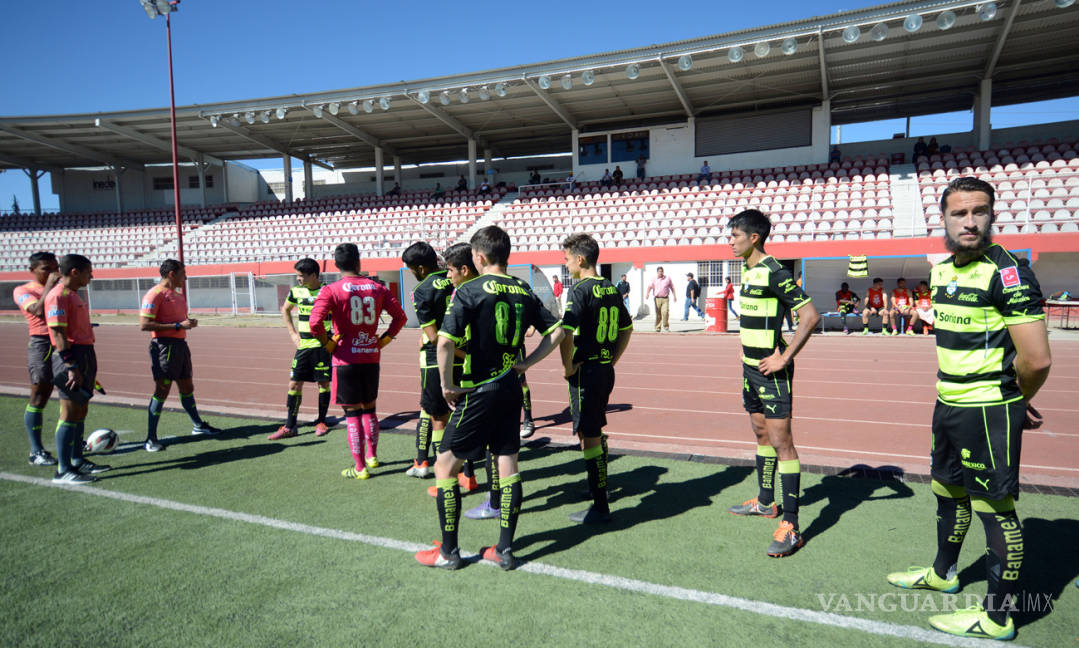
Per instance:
x=601, y=325
x=496, y=309
x=311, y=362
x=768, y=293
x=993, y=352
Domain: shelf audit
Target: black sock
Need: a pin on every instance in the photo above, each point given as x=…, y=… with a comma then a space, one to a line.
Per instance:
x=526, y=401
x=32, y=421
x=469, y=469
x=153, y=412
x=603, y=444
x=953, y=521
x=423, y=437
x=188, y=401
x=1003, y=561
x=510, y=510
x=790, y=480
x=597, y=478
x=449, y=512
x=766, y=474
x=292, y=405
x=78, y=446
x=495, y=492
x=323, y=404
x=65, y=433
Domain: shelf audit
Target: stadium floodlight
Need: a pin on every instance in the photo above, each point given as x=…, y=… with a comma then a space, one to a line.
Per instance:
x=946, y=20
x=384, y=103
x=368, y=105
x=685, y=62
x=879, y=32
x=851, y=34
x=544, y=82
x=335, y=108
x=281, y=112
x=485, y=93
x=789, y=46
x=987, y=11
x=353, y=107
x=213, y=121
x=735, y=54
x=318, y=111
x=501, y=89
x=235, y=119
x=265, y=117
x=1064, y=4
x=633, y=71
x=423, y=96
x=912, y=23
x=567, y=82
x=762, y=49
x=250, y=117
x=155, y=8
x=444, y=98
x=588, y=77
x=462, y=96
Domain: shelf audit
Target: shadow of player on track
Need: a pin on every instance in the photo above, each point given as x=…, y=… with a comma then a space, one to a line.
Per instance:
x=660, y=501
x=846, y=490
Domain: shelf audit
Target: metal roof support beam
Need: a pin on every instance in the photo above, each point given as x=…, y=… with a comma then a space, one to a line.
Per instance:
x=445, y=118
x=363, y=136
x=823, y=66
x=23, y=163
x=155, y=142
x=67, y=147
x=263, y=141
x=551, y=103
x=677, y=86
x=1005, y=29
x=35, y=175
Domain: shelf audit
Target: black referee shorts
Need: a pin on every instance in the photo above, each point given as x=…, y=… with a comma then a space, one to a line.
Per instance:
x=83, y=357
x=769, y=395
x=170, y=358
x=489, y=416
x=589, y=392
x=978, y=448
x=39, y=359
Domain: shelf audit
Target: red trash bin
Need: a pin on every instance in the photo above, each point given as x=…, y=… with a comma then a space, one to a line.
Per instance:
x=715, y=314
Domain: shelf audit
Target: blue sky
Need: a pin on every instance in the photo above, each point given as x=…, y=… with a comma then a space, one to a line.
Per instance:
x=73, y=57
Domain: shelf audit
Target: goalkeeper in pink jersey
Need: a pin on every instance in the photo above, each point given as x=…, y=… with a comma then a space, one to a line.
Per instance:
x=355, y=305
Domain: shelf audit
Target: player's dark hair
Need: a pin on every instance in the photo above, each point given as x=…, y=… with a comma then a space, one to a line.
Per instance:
x=170, y=265
x=900, y=279
x=752, y=221
x=494, y=243
x=459, y=255
x=923, y=282
x=70, y=262
x=39, y=258
x=877, y=280
x=845, y=285
x=968, y=183
x=583, y=245
x=420, y=254
x=347, y=257
x=307, y=266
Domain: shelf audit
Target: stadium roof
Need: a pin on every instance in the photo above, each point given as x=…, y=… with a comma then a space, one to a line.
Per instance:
x=1028, y=49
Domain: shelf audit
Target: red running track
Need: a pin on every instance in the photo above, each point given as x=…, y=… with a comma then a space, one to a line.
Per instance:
x=858, y=400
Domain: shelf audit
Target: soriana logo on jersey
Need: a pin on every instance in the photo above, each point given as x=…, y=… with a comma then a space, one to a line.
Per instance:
x=1010, y=276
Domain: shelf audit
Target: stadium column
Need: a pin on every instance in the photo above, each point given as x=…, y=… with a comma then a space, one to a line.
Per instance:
x=397, y=169
x=308, y=179
x=200, y=163
x=34, y=176
x=471, y=163
x=119, y=171
x=286, y=168
x=983, y=101
x=379, y=162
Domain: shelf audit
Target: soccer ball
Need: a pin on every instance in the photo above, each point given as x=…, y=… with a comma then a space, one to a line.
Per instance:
x=102, y=440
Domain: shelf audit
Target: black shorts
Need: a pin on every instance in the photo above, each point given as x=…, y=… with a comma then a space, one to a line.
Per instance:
x=310, y=365
x=83, y=357
x=489, y=416
x=356, y=383
x=170, y=358
x=978, y=448
x=39, y=360
x=589, y=391
x=769, y=395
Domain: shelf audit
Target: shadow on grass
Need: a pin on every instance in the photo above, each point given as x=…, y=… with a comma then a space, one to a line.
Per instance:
x=660, y=501
x=849, y=488
x=162, y=461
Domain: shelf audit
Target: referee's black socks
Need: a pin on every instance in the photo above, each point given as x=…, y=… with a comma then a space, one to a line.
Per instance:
x=449, y=512
x=509, y=510
x=188, y=401
x=766, y=471
x=953, y=521
x=1003, y=555
x=65, y=435
x=153, y=412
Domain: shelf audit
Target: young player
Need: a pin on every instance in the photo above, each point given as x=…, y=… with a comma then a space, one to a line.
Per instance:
x=164, y=314
x=598, y=326
x=846, y=303
x=876, y=303
x=30, y=298
x=985, y=298
x=903, y=306
x=923, y=303
x=496, y=309
x=74, y=368
x=768, y=290
x=311, y=362
x=355, y=303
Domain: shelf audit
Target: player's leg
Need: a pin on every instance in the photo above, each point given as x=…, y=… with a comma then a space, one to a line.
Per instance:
x=87, y=361
x=865, y=320
x=321, y=427
x=162, y=387
x=39, y=366
x=292, y=409
x=423, y=446
x=528, y=427
x=489, y=508
x=369, y=422
x=764, y=503
x=912, y=319
x=885, y=321
x=67, y=429
x=787, y=537
x=590, y=390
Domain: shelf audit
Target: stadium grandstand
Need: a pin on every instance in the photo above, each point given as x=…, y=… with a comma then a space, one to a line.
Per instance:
x=757, y=106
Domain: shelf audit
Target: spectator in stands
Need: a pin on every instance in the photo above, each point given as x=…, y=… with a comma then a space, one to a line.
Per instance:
x=439, y=191
x=835, y=155
x=846, y=303
x=876, y=303
x=623, y=289
x=923, y=304
x=485, y=189
x=571, y=182
x=641, y=162
x=728, y=294
x=693, y=293
x=663, y=288
x=920, y=149
x=902, y=306
x=556, y=288
x=396, y=191
x=933, y=147
x=606, y=180
x=462, y=184
x=617, y=175
x=705, y=175
x=534, y=177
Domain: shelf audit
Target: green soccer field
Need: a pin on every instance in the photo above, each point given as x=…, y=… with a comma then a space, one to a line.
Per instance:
x=240, y=541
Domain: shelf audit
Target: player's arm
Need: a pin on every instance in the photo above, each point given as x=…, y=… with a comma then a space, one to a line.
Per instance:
x=286, y=314
x=147, y=323
x=551, y=338
x=808, y=318
x=620, y=343
x=37, y=307
x=445, y=351
x=1032, y=356
x=430, y=334
x=565, y=348
x=393, y=307
x=317, y=319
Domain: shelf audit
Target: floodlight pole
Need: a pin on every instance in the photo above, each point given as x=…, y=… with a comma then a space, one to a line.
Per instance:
x=175, y=154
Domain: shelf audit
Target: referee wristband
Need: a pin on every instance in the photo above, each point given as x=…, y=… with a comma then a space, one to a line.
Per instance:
x=177, y=326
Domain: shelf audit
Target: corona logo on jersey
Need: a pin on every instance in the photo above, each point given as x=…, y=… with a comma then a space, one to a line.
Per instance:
x=493, y=287
x=441, y=284
x=599, y=291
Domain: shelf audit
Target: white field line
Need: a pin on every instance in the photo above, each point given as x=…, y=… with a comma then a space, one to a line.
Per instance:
x=764, y=608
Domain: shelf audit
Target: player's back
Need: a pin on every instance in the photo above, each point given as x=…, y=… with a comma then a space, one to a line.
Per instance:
x=355, y=304
x=24, y=296
x=596, y=313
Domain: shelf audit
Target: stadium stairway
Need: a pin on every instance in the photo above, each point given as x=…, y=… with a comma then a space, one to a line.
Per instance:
x=493, y=216
x=908, y=217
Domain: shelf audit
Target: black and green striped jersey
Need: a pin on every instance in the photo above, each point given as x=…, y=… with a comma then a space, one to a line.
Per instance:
x=430, y=298
x=303, y=299
x=492, y=313
x=595, y=313
x=974, y=306
x=768, y=292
